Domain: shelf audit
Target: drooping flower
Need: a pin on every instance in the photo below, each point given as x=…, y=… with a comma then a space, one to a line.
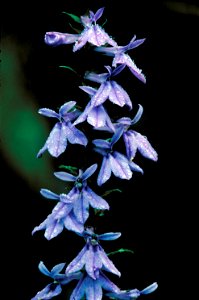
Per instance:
x=55, y=288
x=92, y=289
x=63, y=130
x=132, y=294
x=92, y=33
x=109, y=89
x=134, y=141
x=72, y=210
x=96, y=116
x=92, y=257
x=113, y=161
x=120, y=57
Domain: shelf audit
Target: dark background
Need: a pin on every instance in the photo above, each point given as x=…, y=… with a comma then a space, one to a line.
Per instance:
x=155, y=213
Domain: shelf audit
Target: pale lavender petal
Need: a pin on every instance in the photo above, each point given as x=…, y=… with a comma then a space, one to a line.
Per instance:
x=109, y=51
x=54, y=38
x=88, y=89
x=82, y=39
x=125, y=59
x=71, y=116
x=145, y=147
x=43, y=269
x=57, y=140
x=61, y=210
x=130, y=144
x=107, y=263
x=134, y=167
x=72, y=224
x=149, y=289
x=48, y=194
x=89, y=262
x=66, y=107
x=99, y=37
x=120, y=166
x=100, y=78
x=93, y=290
x=80, y=209
x=107, y=284
x=94, y=200
x=97, y=116
x=105, y=171
x=78, y=262
x=89, y=172
x=83, y=116
x=65, y=176
x=53, y=229
x=124, y=295
x=42, y=225
x=119, y=96
x=48, y=113
x=118, y=133
x=65, y=198
x=76, y=136
x=101, y=95
x=110, y=236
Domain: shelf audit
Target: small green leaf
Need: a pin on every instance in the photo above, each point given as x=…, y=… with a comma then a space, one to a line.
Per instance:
x=110, y=191
x=99, y=212
x=74, y=17
x=73, y=170
x=121, y=250
x=69, y=68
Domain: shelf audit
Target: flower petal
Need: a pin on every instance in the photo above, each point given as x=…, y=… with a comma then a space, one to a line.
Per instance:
x=89, y=172
x=94, y=200
x=54, y=38
x=48, y=194
x=119, y=96
x=64, y=109
x=76, y=136
x=107, y=284
x=135, y=167
x=105, y=171
x=101, y=95
x=79, y=291
x=71, y=223
x=80, y=209
x=57, y=140
x=57, y=269
x=130, y=144
x=107, y=263
x=65, y=176
x=43, y=269
x=53, y=229
x=99, y=37
x=48, y=113
x=93, y=290
x=145, y=147
x=149, y=289
x=120, y=166
x=82, y=39
x=61, y=210
x=110, y=236
x=78, y=262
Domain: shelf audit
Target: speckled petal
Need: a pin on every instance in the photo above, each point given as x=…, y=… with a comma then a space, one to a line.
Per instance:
x=75, y=136
x=53, y=229
x=107, y=284
x=78, y=262
x=57, y=140
x=61, y=210
x=65, y=176
x=79, y=291
x=93, y=289
x=99, y=37
x=145, y=147
x=105, y=171
x=130, y=144
x=66, y=107
x=101, y=95
x=50, y=291
x=48, y=113
x=107, y=263
x=81, y=209
x=119, y=96
x=94, y=200
x=71, y=223
x=82, y=39
x=134, y=167
x=48, y=194
x=120, y=166
x=89, y=172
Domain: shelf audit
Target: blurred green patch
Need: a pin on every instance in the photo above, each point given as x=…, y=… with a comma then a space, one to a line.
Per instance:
x=22, y=130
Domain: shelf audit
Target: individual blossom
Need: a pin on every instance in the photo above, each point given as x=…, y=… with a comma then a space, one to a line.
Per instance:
x=134, y=141
x=132, y=294
x=55, y=288
x=120, y=56
x=113, y=161
x=96, y=116
x=92, y=33
x=72, y=210
x=109, y=89
x=63, y=131
x=92, y=257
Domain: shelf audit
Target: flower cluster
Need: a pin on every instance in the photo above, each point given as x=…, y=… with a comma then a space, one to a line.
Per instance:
x=71, y=211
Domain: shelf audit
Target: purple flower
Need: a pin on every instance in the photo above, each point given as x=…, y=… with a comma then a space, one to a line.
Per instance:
x=92, y=289
x=63, y=130
x=92, y=33
x=62, y=215
x=132, y=294
x=134, y=141
x=120, y=57
x=92, y=257
x=96, y=116
x=54, y=289
x=113, y=161
x=109, y=89
x=72, y=210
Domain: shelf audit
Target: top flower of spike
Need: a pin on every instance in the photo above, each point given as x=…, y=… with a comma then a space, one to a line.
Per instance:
x=92, y=33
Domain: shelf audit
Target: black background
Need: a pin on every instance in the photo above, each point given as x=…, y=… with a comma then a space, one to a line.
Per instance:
x=155, y=212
